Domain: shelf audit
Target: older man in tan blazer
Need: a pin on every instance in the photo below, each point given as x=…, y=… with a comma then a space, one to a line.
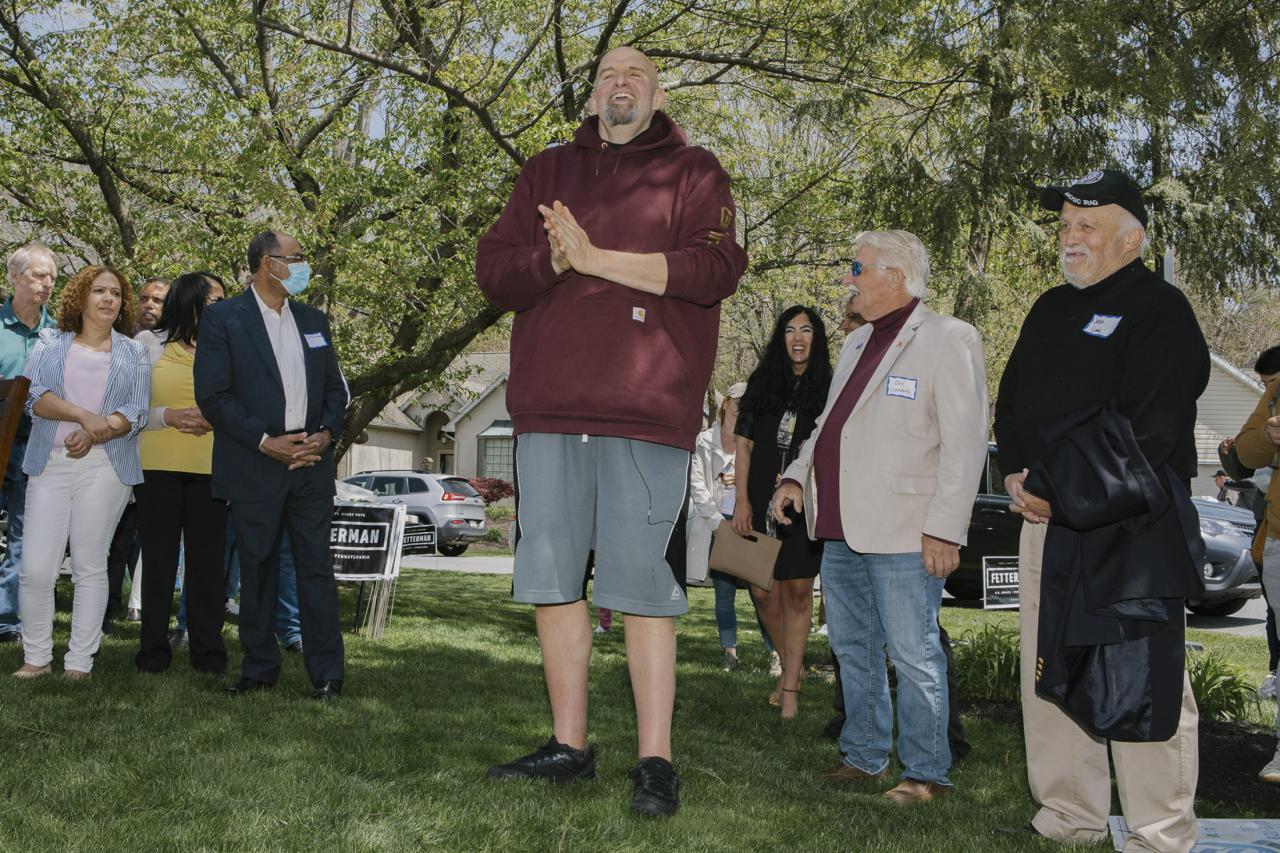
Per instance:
x=889, y=478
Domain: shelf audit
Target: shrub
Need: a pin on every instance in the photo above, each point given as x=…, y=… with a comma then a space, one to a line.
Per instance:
x=1221, y=692
x=987, y=663
x=492, y=489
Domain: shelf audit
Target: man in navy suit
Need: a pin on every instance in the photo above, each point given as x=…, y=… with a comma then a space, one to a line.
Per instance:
x=268, y=381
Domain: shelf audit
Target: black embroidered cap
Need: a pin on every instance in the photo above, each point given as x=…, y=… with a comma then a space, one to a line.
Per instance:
x=1096, y=189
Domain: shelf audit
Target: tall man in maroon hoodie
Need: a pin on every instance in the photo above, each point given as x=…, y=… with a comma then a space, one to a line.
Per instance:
x=614, y=252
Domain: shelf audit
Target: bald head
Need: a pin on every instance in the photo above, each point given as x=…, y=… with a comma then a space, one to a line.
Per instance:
x=627, y=94
x=628, y=57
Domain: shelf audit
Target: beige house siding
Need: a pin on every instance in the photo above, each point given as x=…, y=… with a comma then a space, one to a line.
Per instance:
x=493, y=407
x=386, y=449
x=1221, y=410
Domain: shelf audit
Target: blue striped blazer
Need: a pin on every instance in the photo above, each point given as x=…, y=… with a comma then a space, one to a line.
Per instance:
x=128, y=392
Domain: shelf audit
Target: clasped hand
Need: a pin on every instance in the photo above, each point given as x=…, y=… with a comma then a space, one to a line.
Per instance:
x=189, y=421
x=571, y=248
x=1033, y=508
x=296, y=449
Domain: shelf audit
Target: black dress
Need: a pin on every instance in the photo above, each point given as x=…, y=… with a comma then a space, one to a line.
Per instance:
x=777, y=436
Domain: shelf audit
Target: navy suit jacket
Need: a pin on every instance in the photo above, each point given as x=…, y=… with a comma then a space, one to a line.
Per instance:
x=240, y=392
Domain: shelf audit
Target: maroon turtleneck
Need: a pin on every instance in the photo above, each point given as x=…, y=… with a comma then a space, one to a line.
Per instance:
x=826, y=453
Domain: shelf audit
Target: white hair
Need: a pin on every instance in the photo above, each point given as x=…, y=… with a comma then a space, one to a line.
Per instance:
x=901, y=250
x=22, y=258
x=1127, y=223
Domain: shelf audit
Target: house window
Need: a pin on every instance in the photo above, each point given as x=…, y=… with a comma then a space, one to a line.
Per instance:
x=497, y=458
x=496, y=452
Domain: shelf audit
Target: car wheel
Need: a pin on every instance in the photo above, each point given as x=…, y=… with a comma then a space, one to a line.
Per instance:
x=1218, y=608
x=452, y=550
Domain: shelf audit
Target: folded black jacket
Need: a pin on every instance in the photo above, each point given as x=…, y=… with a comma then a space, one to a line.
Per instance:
x=1121, y=554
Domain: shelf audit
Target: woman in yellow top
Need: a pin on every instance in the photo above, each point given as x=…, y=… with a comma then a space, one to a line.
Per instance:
x=175, y=505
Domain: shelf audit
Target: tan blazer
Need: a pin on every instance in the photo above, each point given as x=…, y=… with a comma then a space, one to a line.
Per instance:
x=914, y=448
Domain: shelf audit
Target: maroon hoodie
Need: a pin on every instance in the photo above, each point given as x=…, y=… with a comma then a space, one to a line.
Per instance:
x=591, y=356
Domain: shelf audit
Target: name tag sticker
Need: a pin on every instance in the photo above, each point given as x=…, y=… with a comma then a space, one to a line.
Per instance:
x=900, y=386
x=637, y=314
x=1102, y=325
x=315, y=340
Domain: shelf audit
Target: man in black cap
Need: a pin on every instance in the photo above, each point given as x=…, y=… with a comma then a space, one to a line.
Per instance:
x=1227, y=496
x=1114, y=334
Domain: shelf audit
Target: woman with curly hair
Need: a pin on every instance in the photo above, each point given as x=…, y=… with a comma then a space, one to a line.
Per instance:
x=90, y=386
x=784, y=397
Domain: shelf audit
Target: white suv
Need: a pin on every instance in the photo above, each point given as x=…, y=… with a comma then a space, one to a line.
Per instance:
x=444, y=500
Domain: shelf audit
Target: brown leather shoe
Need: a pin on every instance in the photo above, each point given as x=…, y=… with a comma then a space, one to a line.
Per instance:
x=914, y=791
x=842, y=773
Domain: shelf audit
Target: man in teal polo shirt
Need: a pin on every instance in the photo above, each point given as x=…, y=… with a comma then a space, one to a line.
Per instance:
x=32, y=270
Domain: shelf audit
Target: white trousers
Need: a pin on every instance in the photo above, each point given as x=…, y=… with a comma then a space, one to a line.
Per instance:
x=80, y=500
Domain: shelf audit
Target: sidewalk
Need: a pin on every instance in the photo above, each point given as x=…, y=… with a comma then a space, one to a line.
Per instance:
x=472, y=565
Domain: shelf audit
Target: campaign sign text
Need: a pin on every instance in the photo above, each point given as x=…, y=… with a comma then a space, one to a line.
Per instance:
x=999, y=583
x=364, y=540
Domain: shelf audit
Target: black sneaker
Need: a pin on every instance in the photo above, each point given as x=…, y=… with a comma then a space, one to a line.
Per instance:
x=657, y=788
x=553, y=761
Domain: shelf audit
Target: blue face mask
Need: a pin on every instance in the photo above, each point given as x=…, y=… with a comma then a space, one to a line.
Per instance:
x=299, y=278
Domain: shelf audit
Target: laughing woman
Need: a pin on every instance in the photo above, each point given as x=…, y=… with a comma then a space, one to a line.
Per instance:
x=90, y=385
x=784, y=397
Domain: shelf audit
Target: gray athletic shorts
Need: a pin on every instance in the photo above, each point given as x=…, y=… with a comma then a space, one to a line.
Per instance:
x=622, y=499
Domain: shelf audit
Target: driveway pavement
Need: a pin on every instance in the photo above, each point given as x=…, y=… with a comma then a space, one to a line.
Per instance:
x=1249, y=621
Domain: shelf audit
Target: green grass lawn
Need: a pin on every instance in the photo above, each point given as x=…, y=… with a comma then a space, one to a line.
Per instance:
x=133, y=762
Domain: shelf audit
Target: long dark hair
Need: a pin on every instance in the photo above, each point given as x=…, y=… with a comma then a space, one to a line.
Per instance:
x=768, y=389
x=184, y=304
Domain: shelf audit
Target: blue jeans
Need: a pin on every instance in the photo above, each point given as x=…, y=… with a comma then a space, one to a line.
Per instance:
x=231, y=560
x=288, y=618
x=874, y=601
x=727, y=614
x=13, y=498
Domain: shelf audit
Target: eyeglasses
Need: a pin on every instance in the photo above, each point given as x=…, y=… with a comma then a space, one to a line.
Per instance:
x=859, y=266
x=288, y=259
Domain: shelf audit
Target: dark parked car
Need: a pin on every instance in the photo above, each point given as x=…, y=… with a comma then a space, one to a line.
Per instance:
x=1230, y=576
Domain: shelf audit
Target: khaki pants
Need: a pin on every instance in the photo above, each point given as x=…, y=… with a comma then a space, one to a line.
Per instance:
x=1067, y=766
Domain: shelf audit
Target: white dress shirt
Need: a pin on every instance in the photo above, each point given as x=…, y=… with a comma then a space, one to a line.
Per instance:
x=286, y=343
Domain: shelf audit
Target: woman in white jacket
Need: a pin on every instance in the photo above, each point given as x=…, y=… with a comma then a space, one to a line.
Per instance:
x=711, y=500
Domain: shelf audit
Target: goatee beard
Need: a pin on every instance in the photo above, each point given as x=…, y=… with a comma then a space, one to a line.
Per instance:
x=615, y=114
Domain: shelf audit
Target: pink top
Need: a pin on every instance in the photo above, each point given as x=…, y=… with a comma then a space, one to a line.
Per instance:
x=84, y=382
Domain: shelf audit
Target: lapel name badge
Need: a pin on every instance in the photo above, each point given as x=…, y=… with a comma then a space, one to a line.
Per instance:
x=637, y=314
x=900, y=386
x=1102, y=325
x=315, y=340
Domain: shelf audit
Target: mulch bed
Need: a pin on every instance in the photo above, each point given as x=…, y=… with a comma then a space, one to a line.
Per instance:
x=1231, y=754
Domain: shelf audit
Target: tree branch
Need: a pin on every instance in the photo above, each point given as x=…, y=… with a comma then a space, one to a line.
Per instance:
x=447, y=342
x=430, y=78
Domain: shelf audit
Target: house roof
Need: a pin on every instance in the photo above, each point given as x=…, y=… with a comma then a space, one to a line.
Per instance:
x=499, y=381
x=482, y=369
x=392, y=418
x=478, y=371
x=1250, y=382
